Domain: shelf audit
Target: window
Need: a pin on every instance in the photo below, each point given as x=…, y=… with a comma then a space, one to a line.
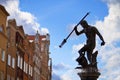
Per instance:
x=3, y=55
x=21, y=61
x=31, y=71
x=24, y=66
x=42, y=47
x=1, y=28
x=13, y=62
x=9, y=60
x=18, y=61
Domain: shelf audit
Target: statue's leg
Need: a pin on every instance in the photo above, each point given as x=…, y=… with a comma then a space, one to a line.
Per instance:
x=82, y=50
x=89, y=55
x=94, y=56
x=81, y=59
x=94, y=59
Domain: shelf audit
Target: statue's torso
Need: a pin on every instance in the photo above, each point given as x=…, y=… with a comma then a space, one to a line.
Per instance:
x=90, y=33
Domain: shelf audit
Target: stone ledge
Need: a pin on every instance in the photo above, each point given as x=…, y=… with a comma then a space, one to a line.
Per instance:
x=89, y=75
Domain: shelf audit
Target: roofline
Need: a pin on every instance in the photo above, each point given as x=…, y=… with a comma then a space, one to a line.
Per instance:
x=4, y=10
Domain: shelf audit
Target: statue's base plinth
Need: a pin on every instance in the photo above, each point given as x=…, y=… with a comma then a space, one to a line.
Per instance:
x=89, y=75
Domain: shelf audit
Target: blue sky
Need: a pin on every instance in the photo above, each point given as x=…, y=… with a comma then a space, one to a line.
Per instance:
x=58, y=19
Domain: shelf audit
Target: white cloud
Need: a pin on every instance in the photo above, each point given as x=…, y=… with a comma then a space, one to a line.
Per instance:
x=61, y=66
x=70, y=75
x=44, y=30
x=110, y=55
x=28, y=20
x=112, y=1
x=66, y=77
x=60, y=70
x=75, y=48
x=110, y=27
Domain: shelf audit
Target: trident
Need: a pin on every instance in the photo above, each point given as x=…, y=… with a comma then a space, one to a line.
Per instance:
x=65, y=40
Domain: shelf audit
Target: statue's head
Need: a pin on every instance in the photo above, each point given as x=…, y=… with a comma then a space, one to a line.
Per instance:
x=84, y=23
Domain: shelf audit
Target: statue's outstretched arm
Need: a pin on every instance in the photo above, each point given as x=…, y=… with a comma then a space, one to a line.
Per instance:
x=100, y=36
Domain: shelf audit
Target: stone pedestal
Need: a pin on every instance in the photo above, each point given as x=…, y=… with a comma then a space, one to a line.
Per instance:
x=89, y=75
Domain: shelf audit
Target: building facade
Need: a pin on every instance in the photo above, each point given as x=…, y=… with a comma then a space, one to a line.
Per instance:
x=20, y=53
x=36, y=56
x=3, y=42
x=44, y=46
x=28, y=59
x=11, y=50
x=41, y=58
x=22, y=57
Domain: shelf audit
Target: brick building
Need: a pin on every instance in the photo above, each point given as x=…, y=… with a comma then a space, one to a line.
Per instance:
x=41, y=56
x=44, y=45
x=22, y=57
x=20, y=53
x=3, y=42
x=11, y=50
x=28, y=59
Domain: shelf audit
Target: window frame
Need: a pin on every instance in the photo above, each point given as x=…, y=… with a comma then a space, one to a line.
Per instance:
x=3, y=55
x=21, y=62
x=13, y=62
x=18, y=61
x=9, y=60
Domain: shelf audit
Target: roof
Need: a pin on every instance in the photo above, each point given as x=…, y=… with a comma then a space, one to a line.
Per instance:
x=20, y=30
x=12, y=22
x=4, y=10
x=32, y=37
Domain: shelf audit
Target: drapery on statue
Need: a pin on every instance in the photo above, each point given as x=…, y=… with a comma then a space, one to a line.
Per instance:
x=90, y=33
